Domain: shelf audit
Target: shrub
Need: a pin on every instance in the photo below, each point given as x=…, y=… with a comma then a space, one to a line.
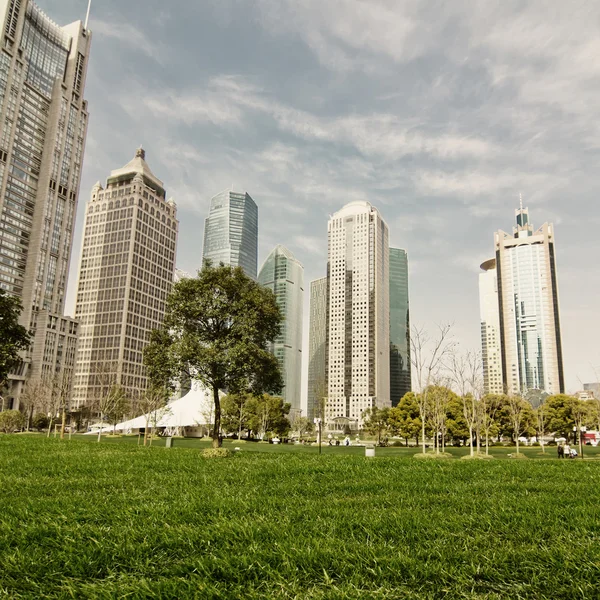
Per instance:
x=518, y=455
x=40, y=421
x=216, y=453
x=477, y=456
x=11, y=421
x=433, y=456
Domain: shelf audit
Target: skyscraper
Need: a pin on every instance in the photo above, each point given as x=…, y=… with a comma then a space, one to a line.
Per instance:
x=358, y=322
x=284, y=276
x=231, y=231
x=489, y=309
x=126, y=271
x=317, y=338
x=400, y=369
x=44, y=123
x=530, y=334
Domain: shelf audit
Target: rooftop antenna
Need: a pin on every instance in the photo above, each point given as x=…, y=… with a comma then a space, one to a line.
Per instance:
x=87, y=16
x=520, y=198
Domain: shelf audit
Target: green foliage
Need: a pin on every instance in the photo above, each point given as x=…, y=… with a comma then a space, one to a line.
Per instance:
x=559, y=414
x=11, y=421
x=234, y=413
x=216, y=453
x=40, y=421
x=405, y=420
x=376, y=421
x=13, y=337
x=267, y=416
x=217, y=329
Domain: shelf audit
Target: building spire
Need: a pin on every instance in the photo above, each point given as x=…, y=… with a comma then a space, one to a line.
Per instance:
x=521, y=201
x=87, y=16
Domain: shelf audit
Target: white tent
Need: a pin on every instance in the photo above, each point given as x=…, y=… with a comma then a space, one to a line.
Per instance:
x=195, y=410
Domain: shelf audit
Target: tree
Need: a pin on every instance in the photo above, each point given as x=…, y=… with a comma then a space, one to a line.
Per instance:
x=32, y=398
x=540, y=417
x=427, y=357
x=559, y=414
x=217, y=329
x=268, y=415
x=580, y=411
x=376, y=421
x=404, y=420
x=234, y=413
x=62, y=384
x=105, y=389
x=11, y=421
x=40, y=421
x=302, y=426
x=490, y=405
x=439, y=398
x=14, y=338
x=521, y=416
x=118, y=406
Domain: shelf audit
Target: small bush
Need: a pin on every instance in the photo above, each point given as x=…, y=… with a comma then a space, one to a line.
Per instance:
x=40, y=421
x=216, y=453
x=477, y=456
x=518, y=455
x=11, y=421
x=433, y=456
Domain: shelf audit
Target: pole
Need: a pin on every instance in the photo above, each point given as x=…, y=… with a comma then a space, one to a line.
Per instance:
x=320, y=436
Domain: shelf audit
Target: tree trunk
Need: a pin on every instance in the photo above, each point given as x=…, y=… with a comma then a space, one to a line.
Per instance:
x=100, y=431
x=471, y=439
x=487, y=442
x=240, y=427
x=49, y=428
x=423, y=432
x=62, y=425
x=517, y=436
x=216, y=436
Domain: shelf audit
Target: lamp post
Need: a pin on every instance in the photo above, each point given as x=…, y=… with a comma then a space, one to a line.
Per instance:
x=582, y=430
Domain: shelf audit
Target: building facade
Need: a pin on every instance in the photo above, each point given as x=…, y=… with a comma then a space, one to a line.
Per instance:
x=317, y=338
x=358, y=319
x=284, y=276
x=126, y=271
x=400, y=368
x=44, y=119
x=530, y=335
x=489, y=310
x=231, y=231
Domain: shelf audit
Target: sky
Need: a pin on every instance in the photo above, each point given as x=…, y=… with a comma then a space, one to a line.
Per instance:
x=437, y=113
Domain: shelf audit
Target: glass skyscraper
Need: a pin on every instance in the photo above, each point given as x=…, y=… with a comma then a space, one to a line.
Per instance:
x=317, y=338
x=284, y=275
x=400, y=369
x=530, y=333
x=44, y=118
x=231, y=231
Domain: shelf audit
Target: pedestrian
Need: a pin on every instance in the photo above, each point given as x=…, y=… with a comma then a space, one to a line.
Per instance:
x=561, y=451
x=573, y=453
x=567, y=451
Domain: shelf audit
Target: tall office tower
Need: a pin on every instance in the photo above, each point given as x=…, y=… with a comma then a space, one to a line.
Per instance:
x=317, y=338
x=126, y=271
x=231, y=231
x=400, y=370
x=284, y=276
x=491, y=351
x=528, y=306
x=358, y=324
x=44, y=123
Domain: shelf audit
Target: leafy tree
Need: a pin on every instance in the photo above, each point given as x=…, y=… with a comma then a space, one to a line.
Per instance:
x=491, y=404
x=217, y=329
x=302, y=426
x=459, y=429
x=559, y=414
x=376, y=421
x=13, y=337
x=234, y=413
x=11, y=421
x=268, y=415
x=580, y=411
x=522, y=418
x=404, y=420
x=438, y=399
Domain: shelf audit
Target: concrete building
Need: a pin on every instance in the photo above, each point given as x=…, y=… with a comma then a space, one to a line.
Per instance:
x=400, y=368
x=44, y=119
x=489, y=310
x=231, y=231
x=530, y=334
x=358, y=320
x=284, y=276
x=317, y=338
x=126, y=271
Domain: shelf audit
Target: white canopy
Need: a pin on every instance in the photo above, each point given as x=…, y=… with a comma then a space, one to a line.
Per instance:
x=195, y=408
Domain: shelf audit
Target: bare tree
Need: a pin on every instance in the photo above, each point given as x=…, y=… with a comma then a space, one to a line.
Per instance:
x=152, y=404
x=62, y=385
x=428, y=355
x=465, y=373
x=104, y=382
x=518, y=409
x=489, y=406
x=580, y=410
x=33, y=397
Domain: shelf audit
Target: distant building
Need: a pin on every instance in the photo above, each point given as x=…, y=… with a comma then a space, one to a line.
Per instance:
x=594, y=388
x=400, y=368
x=358, y=321
x=530, y=334
x=44, y=118
x=231, y=231
x=125, y=274
x=284, y=276
x=317, y=337
x=179, y=275
x=489, y=310
x=585, y=395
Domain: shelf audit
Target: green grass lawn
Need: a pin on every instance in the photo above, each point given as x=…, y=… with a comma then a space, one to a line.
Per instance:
x=113, y=520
